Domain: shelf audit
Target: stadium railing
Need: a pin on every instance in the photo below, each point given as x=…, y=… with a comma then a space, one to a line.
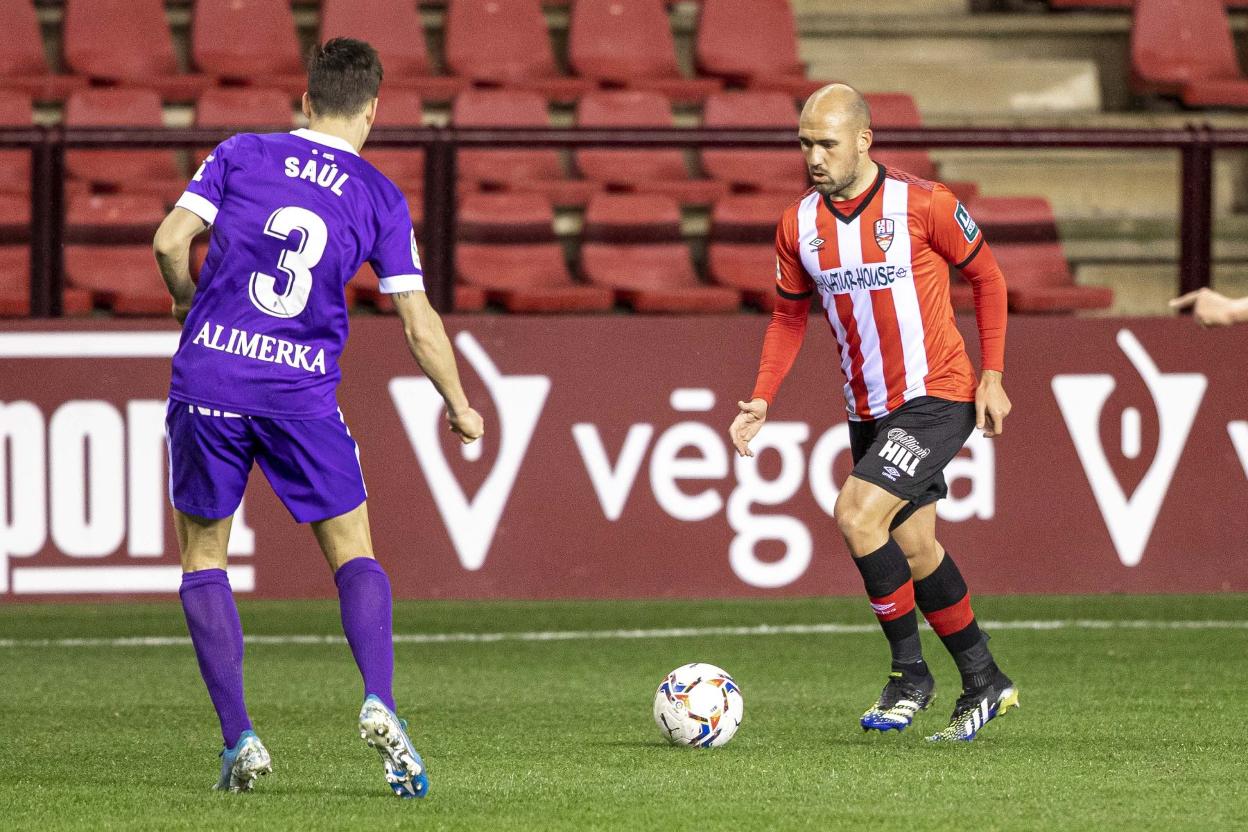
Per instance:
x=1195, y=145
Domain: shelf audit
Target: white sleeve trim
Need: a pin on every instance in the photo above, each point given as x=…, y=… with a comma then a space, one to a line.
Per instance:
x=402, y=283
x=199, y=206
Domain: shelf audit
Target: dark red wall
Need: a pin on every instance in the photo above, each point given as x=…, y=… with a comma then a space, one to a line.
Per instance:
x=1034, y=524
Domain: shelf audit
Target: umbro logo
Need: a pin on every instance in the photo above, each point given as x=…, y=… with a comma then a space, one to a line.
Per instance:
x=883, y=609
x=816, y=244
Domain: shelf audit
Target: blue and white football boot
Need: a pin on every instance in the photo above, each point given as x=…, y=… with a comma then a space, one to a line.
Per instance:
x=384, y=731
x=242, y=764
x=903, y=697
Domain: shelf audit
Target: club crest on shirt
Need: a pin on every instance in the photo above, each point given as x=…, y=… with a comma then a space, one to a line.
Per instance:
x=884, y=233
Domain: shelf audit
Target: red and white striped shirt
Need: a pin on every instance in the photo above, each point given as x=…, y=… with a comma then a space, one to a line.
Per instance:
x=882, y=271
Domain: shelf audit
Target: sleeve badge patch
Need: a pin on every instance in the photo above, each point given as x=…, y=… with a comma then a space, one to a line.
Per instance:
x=969, y=229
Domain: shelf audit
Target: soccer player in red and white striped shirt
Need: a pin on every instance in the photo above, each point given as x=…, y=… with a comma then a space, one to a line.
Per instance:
x=876, y=246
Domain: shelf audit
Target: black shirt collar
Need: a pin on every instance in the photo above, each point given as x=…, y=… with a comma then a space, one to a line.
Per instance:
x=862, y=206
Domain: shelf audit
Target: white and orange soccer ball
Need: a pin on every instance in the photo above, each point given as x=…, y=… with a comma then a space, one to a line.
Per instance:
x=698, y=705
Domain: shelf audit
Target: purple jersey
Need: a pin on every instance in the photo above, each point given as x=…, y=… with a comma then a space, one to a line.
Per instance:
x=294, y=216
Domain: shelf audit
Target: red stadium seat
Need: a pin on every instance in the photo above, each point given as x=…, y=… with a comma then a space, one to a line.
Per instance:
x=393, y=28
x=1014, y=219
x=1185, y=48
x=248, y=41
x=1038, y=280
x=15, y=287
x=14, y=281
x=508, y=249
x=112, y=218
x=23, y=67
x=244, y=107
x=654, y=171
x=494, y=42
x=628, y=43
x=763, y=170
x=750, y=218
x=14, y=217
x=404, y=167
x=742, y=250
x=126, y=41
x=15, y=111
x=899, y=110
x=750, y=268
x=148, y=171
x=753, y=43
x=120, y=278
x=526, y=170
x=633, y=246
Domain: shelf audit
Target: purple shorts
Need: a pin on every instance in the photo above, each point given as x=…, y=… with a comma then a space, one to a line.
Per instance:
x=313, y=465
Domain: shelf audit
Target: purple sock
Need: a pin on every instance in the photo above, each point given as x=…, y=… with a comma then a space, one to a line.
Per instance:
x=212, y=620
x=364, y=598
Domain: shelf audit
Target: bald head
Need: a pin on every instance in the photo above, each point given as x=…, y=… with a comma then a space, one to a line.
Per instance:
x=837, y=103
x=835, y=134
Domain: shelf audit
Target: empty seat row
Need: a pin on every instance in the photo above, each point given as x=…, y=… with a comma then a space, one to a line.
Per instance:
x=541, y=170
x=631, y=252
x=611, y=42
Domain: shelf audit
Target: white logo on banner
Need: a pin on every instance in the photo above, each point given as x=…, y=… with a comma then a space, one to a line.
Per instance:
x=91, y=480
x=1177, y=397
x=1239, y=438
x=519, y=400
x=691, y=468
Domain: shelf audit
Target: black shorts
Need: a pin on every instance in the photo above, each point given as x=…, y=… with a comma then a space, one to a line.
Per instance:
x=906, y=452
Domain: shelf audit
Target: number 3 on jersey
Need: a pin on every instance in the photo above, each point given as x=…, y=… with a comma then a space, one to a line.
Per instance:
x=296, y=263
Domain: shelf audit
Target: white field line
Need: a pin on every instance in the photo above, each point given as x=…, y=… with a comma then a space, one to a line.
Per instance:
x=617, y=635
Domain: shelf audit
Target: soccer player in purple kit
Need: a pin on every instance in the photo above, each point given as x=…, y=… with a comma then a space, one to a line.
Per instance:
x=294, y=215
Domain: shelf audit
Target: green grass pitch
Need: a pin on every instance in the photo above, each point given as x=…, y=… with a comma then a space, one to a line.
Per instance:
x=1121, y=727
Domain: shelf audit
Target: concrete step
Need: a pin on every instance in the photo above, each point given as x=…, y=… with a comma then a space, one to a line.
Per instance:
x=880, y=11
x=1086, y=183
x=969, y=89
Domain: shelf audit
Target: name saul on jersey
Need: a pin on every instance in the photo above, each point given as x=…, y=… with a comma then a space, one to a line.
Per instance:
x=260, y=347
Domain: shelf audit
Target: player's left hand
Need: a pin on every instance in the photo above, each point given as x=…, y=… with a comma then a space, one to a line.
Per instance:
x=180, y=311
x=991, y=404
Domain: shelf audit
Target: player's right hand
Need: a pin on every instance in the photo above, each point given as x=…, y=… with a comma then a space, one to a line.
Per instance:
x=747, y=425
x=467, y=425
x=180, y=311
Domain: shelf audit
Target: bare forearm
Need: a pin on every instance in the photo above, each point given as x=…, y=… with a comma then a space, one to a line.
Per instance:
x=175, y=269
x=433, y=352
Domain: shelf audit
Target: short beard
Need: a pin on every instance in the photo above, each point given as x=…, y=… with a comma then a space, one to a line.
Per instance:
x=831, y=188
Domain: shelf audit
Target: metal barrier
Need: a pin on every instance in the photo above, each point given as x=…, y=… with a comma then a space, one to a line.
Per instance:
x=1195, y=144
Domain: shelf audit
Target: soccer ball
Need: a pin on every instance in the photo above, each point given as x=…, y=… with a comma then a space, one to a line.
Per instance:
x=698, y=705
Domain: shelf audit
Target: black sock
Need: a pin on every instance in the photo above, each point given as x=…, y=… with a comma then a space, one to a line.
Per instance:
x=946, y=603
x=886, y=576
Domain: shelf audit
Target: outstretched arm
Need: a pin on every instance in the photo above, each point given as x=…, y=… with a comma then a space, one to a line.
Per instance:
x=781, y=344
x=426, y=338
x=172, y=246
